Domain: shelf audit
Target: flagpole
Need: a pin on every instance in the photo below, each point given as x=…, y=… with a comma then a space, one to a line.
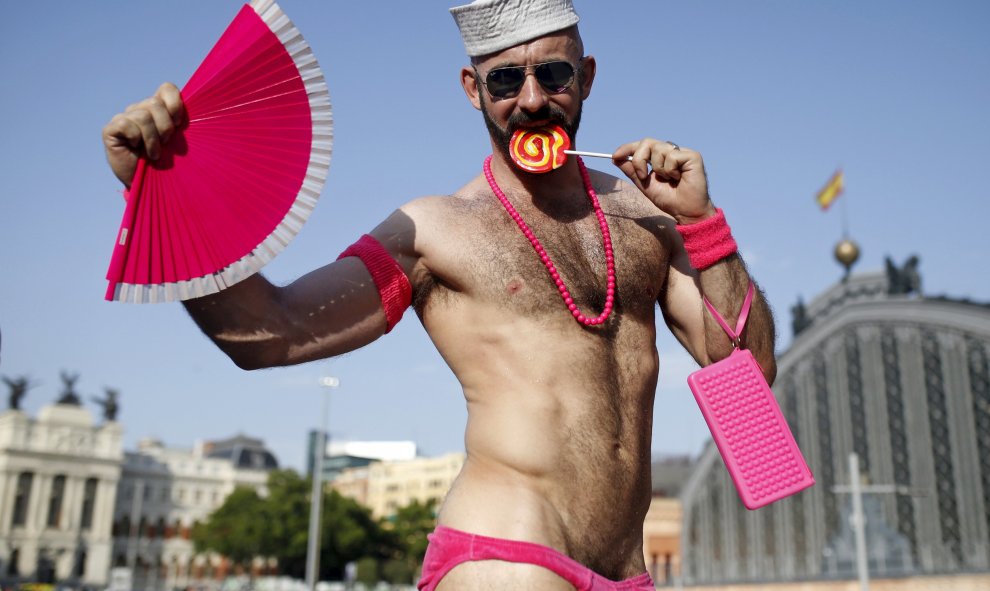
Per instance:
x=845, y=219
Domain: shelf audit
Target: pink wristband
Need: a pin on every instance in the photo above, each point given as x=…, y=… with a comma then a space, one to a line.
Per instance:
x=708, y=241
x=391, y=281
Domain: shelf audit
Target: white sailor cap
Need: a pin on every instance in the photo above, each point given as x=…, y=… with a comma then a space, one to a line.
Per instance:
x=488, y=26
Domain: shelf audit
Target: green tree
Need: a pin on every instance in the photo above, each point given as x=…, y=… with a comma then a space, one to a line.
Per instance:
x=287, y=505
x=237, y=529
x=411, y=524
x=349, y=533
x=367, y=571
x=246, y=526
x=408, y=528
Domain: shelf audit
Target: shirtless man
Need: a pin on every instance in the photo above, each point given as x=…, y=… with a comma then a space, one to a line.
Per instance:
x=556, y=482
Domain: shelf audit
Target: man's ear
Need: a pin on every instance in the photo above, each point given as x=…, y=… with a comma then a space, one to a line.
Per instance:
x=587, y=75
x=471, y=87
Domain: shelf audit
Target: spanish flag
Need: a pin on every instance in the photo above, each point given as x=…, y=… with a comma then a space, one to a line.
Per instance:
x=831, y=191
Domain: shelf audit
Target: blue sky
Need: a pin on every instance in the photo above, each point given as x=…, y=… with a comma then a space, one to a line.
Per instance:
x=776, y=96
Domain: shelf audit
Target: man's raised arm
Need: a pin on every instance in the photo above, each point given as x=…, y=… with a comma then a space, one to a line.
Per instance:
x=704, y=261
x=332, y=310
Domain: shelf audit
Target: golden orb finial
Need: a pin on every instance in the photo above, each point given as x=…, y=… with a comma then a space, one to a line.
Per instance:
x=847, y=253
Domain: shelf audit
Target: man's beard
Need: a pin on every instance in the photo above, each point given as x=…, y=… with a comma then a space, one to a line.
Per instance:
x=552, y=114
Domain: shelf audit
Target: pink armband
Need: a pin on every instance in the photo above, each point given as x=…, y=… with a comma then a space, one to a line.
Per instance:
x=708, y=241
x=391, y=281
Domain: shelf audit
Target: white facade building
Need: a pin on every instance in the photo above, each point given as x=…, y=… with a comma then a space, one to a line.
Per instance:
x=58, y=486
x=164, y=492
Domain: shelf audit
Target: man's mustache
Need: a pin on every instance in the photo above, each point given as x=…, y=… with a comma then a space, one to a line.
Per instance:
x=525, y=119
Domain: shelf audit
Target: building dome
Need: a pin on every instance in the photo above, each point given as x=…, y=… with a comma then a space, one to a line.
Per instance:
x=901, y=380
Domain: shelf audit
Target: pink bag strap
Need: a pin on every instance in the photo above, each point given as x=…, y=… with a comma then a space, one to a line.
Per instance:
x=743, y=315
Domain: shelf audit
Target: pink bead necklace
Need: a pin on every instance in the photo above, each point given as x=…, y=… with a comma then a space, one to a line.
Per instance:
x=606, y=240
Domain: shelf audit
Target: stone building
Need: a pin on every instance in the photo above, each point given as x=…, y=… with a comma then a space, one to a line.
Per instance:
x=901, y=380
x=662, y=524
x=74, y=505
x=58, y=485
x=388, y=485
x=164, y=492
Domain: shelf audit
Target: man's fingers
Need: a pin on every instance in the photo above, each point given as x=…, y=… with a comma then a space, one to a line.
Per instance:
x=621, y=157
x=164, y=124
x=673, y=158
x=142, y=129
x=646, y=157
x=155, y=123
x=666, y=160
x=121, y=131
x=150, y=139
x=170, y=96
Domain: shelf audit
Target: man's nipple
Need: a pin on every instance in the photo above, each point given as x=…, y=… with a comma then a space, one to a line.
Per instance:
x=515, y=286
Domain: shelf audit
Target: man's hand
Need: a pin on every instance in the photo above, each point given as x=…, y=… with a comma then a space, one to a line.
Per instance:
x=141, y=130
x=677, y=183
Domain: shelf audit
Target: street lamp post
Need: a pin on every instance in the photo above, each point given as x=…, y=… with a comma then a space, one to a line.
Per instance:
x=316, y=497
x=857, y=489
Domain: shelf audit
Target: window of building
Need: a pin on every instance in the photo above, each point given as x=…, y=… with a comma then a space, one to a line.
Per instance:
x=939, y=427
x=15, y=557
x=80, y=569
x=89, y=503
x=716, y=510
x=825, y=466
x=21, y=498
x=897, y=426
x=55, y=501
x=979, y=377
x=125, y=527
x=770, y=532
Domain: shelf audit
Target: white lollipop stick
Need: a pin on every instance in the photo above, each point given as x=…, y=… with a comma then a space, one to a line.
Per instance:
x=592, y=154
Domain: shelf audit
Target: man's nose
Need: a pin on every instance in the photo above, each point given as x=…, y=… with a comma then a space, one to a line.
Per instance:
x=532, y=96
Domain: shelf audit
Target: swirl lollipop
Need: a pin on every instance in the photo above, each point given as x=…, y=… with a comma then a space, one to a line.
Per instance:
x=540, y=149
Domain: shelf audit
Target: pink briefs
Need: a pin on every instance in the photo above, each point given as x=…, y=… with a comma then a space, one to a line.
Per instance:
x=450, y=547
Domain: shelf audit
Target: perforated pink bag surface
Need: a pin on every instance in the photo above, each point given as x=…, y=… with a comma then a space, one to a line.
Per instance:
x=747, y=424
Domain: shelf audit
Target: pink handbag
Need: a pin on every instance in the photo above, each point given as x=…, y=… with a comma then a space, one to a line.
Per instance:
x=746, y=423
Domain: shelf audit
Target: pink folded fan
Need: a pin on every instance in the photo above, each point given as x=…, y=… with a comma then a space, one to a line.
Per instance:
x=239, y=180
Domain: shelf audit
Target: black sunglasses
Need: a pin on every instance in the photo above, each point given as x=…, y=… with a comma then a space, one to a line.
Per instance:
x=554, y=77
